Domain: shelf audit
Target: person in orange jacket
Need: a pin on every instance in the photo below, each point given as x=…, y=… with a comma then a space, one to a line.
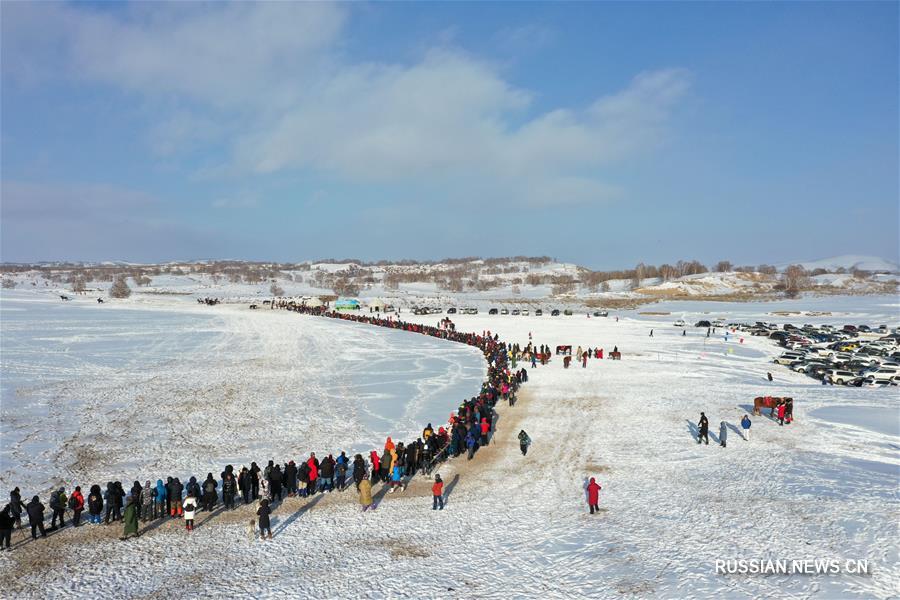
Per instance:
x=437, y=493
x=593, y=490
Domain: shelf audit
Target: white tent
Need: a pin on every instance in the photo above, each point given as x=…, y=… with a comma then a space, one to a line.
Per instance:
x=376, y=305
x=313, y=302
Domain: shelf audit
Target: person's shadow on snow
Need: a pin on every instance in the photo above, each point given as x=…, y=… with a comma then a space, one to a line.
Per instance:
x=735, y=429
x=449, y=489
x=692, y=428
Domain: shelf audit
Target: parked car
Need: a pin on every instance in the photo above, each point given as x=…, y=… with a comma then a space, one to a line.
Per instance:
x=554, y=312
x=493, y=311
x=680, y=323
x=514, y=312
x=601, y=313
x=451, y=311
x=703, y=324
x=504, y=311
x=568, y=312
x=538, y=312
x=839, y=377
x=718, y=323
x=525, y=312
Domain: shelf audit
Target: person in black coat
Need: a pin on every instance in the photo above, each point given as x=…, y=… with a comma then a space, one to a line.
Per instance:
x=245, y=485
x=95, y=504
x=263, y=512
x=704, y=429
x=6, y=525
x=16, y=506
x=36, y=517
x=254, y=480
x=229, y=489
x=209, y=492
x=137, y=492
x=326, y=473
x=276, y=478
x=359, y=469
x=290, y=478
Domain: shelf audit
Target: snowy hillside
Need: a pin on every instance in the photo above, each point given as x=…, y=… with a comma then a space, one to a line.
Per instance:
x=848, y=263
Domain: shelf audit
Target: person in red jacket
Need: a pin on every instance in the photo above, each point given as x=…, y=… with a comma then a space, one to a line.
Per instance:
x=485, y=428
x=76, y=503
x=781, y=408
x=437, y=493
x=376, y=464
x=593, y=490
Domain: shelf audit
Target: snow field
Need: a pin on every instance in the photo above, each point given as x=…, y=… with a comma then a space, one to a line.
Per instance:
x=823, y=487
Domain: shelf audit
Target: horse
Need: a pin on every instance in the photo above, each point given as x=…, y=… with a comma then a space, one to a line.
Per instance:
x=62, y=297
x=615, y=356
x=770, y=402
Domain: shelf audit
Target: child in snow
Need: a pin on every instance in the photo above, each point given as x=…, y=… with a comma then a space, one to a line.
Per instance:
x=365, y=495
x=524, y=442
x=723, y=433
x=190, y=509
x=781, y=408
x=745, y=425
x=437, y=493
x=396, y=477
x=263, y=513
x=593, y=491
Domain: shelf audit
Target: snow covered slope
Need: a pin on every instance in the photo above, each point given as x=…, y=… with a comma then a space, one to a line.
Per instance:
x=848, y=262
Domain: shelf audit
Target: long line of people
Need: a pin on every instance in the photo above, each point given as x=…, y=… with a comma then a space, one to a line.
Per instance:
x=469, y=427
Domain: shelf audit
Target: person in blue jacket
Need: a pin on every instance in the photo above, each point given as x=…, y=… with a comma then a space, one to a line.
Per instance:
x=745, y=425
x=160, y=505
x=342, y=464
x=470, y=444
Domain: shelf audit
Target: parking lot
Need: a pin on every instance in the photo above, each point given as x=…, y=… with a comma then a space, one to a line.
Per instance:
x=857, y=355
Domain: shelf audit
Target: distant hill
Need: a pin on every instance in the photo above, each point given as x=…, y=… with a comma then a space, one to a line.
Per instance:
x=848, y=262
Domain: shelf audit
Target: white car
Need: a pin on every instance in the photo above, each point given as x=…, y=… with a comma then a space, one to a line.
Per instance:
x=680, y=323
x=718, y=323
x=788, y=358
x=839, y=377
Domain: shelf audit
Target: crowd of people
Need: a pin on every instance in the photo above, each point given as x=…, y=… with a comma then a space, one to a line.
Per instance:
x=469, y=427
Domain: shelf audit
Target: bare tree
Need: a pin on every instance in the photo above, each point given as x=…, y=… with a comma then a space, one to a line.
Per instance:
x=78, y=285
x=723, y=266
x=120, y=288
x=344, y=286
x=794, y=279
x=604, y=286
x=275, y=290
x=638, y=276
x=9, y=283
x=766, y=269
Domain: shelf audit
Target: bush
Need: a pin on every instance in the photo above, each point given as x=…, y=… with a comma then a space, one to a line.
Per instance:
x=9, y=284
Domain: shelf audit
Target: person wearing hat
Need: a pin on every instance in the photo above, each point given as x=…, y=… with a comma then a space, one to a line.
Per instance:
x=437, y=492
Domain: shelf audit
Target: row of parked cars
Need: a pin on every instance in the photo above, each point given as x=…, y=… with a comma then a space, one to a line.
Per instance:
x=857, y=355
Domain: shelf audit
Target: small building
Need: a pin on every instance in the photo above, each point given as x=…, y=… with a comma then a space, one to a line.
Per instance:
x=377, y=305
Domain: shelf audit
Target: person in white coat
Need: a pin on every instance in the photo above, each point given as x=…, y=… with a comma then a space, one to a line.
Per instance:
x=190, y=509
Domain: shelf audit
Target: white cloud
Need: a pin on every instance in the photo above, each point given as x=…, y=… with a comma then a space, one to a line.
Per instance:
x=277, y=93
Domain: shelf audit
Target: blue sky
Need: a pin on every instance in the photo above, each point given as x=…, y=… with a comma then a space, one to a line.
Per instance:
x=599, y=133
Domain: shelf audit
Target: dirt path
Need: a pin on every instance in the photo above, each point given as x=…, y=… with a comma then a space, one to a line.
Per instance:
x=60, y=548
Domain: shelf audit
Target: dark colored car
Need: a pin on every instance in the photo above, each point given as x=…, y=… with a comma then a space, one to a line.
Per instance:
x=493, y=311
x=539, y=313
x=451, y=311
x=554, y=312
x=703, y=324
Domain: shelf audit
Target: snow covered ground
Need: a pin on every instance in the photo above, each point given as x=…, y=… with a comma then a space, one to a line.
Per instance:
x=92, y=392
x=514, y=527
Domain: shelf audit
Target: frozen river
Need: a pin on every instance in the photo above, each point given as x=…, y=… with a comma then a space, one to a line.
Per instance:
x=92, y=392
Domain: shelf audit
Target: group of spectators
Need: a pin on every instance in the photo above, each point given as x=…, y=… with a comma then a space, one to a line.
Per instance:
x=469, y=427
